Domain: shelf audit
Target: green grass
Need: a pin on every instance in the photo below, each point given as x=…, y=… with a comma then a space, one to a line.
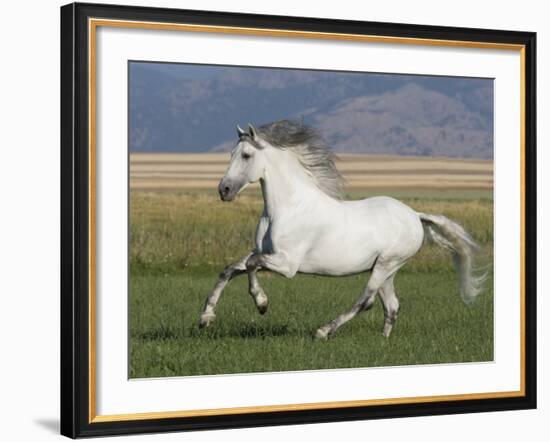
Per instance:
x=180, y=242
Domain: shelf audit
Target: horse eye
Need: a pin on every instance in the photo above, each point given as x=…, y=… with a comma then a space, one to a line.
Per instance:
x=246, y=156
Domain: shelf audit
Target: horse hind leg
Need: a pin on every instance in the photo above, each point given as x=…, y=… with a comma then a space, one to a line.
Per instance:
x=380, y=274
x=391, y=305
x=364, y=303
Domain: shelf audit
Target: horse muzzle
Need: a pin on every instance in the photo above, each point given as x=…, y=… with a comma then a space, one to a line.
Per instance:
x=227, y=190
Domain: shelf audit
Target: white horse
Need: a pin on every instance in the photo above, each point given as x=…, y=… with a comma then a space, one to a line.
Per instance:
x=306, y=227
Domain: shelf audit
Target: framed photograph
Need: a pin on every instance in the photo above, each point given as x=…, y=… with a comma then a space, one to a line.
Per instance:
x=274, y=220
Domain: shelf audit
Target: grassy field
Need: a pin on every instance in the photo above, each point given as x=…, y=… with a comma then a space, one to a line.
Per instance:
x=181, y=239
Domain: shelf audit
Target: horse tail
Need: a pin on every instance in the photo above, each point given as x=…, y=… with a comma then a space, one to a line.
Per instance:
x=453, y=237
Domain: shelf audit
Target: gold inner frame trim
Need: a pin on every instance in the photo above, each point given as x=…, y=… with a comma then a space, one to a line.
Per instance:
x=297, y=407
x=300, y=34
x=93, y=24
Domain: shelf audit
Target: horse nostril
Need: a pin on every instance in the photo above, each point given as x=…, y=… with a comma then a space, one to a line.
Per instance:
x=226, y=189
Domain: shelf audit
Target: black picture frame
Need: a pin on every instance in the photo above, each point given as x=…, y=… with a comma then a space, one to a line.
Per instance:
x=75, y=220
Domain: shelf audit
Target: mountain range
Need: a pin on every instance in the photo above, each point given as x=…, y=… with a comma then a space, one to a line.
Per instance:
x=195, y=108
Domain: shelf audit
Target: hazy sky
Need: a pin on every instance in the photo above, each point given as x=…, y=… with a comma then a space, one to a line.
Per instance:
x=194, y=108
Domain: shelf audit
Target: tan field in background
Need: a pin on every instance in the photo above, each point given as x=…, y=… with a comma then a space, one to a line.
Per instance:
x=175, y=171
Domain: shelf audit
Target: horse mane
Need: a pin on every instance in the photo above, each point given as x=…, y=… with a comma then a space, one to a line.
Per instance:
x=311, y=150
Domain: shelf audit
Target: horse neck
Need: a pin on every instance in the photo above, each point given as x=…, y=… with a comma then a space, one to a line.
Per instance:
x=286, y=186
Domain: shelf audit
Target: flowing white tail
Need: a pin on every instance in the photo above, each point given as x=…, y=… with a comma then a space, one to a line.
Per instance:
x=454, y=238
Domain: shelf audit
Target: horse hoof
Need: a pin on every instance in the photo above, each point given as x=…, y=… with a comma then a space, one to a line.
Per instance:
x=261, y=302
x=386, y=332
x=206, y=320
x=262, y=309
x=321, y=334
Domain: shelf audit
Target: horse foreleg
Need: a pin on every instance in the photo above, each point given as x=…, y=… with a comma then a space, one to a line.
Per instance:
x=208, y=315
x=256, y=291
x=276, y=262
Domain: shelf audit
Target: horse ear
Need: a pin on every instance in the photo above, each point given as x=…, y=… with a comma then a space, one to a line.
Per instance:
x=251, y=131
x=240, y=131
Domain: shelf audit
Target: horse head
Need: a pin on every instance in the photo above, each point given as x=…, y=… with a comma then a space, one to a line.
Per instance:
x=247, y=164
